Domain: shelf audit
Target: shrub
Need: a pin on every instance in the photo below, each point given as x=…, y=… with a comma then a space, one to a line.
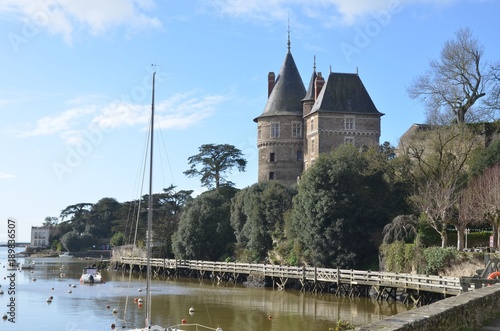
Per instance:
x=437, y=259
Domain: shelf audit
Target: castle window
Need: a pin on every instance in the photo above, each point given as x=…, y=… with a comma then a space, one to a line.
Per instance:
x=299, y=156
x=349, y=140
x=312, y=124
x=312, y=146
x=271, y=157
x=349, y=123
x=271, y=175
x=275, y=130
x=296, y=130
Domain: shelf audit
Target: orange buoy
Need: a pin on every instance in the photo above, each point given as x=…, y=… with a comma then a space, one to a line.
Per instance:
x=113, y=326
x=270, y=317
x=183, y=321
x=494, y=275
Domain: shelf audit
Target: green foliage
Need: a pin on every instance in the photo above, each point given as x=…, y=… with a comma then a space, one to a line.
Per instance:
x=484, y=158
x=215, y=161
x=437, y=258
x=118, y=239
x=204, y=231
x=400, y=257
x=339, y=211
x=75, y=242
x=342, y=326
x=257, y=217
x=407, y=258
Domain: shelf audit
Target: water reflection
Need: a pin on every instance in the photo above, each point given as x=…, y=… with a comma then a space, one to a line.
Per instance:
x=233, y=307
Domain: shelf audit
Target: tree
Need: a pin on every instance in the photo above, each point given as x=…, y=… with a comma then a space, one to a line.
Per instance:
x=440, y=157
x=50, y=222
x=454, y=84
x=480, y=201
x=257, y=217
x=168, y=206
x=79, y=214
x=215, y=161
x=103, y=215
x=402, y=228
x=204, y=231
x=339, y=210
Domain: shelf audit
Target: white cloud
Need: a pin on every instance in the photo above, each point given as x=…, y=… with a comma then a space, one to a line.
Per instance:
x=59, y=123
x=179, y=111
x=4, y=175
x=65, y=17
x=341, y=11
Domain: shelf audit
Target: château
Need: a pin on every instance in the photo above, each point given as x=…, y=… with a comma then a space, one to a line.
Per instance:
x=298, y=125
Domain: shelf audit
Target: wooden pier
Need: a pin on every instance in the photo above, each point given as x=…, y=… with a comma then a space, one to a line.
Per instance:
x=410, y=288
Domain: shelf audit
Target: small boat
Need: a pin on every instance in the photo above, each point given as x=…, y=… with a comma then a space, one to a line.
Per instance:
x=13, y=264
x=27, y=264
x=65, y=255
x=90, y=276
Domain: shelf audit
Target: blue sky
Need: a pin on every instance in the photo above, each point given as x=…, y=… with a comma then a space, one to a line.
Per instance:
x=76, y=82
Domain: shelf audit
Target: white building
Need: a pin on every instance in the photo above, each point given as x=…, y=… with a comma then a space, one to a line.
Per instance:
x=39, y=236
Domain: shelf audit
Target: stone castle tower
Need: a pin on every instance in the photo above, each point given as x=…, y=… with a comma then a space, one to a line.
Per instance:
x=298, y=125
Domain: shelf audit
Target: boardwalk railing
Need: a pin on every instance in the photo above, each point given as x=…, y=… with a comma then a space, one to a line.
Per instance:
x=436, y=284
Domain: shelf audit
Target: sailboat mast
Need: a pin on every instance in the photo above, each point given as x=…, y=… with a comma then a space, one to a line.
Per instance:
x=150, y=211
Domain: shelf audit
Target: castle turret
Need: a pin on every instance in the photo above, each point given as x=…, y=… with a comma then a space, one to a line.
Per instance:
x=280, y=131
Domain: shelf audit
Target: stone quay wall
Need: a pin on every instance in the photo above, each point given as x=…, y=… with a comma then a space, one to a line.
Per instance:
x=467, y=311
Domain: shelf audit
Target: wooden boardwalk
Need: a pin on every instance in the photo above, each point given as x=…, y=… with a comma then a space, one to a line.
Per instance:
x=413, y=288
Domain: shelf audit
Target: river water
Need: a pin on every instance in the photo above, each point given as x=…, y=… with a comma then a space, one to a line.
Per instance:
x=86, y=307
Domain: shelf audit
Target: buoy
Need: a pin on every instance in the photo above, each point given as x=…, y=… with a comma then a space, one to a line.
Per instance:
x=1, y=291
x=191, y=310
x=34, y=279
x=136, y=299
x=115, y=311
x=140, y=300
x=139, y=290
x=49, y=300
x=113, y=326
x=52, y=289
x=183, y=321
x=108, y=306
x=139, y=305
x=4, y=317
x=69, y=291
x=270, y=317
x=74, y=286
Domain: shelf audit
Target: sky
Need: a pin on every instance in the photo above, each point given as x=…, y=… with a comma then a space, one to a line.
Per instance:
x=76, y=77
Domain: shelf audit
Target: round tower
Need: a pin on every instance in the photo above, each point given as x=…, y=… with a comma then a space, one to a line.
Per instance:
x=280, y=127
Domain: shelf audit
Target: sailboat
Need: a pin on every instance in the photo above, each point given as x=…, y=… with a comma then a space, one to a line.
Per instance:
x=149, y=325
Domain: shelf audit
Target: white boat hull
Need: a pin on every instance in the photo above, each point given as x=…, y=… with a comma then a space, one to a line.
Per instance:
x=90, y=279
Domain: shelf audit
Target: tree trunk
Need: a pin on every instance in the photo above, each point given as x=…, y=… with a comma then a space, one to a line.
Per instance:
x=460, y=237
x=444, y=238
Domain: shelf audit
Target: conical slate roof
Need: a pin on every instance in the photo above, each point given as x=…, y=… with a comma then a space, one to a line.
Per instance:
x=288, y=91
x=311, y=90
x=344, y=93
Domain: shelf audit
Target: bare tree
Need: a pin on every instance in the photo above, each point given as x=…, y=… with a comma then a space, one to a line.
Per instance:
x=440, y=158
x=453, y=85
x=481, y=200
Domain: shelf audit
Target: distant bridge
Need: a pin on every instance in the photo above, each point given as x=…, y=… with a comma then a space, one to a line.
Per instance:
x=411, y=288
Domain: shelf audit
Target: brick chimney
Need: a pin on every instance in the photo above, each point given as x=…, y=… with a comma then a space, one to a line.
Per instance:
x=318, y=84
x=270, y=83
